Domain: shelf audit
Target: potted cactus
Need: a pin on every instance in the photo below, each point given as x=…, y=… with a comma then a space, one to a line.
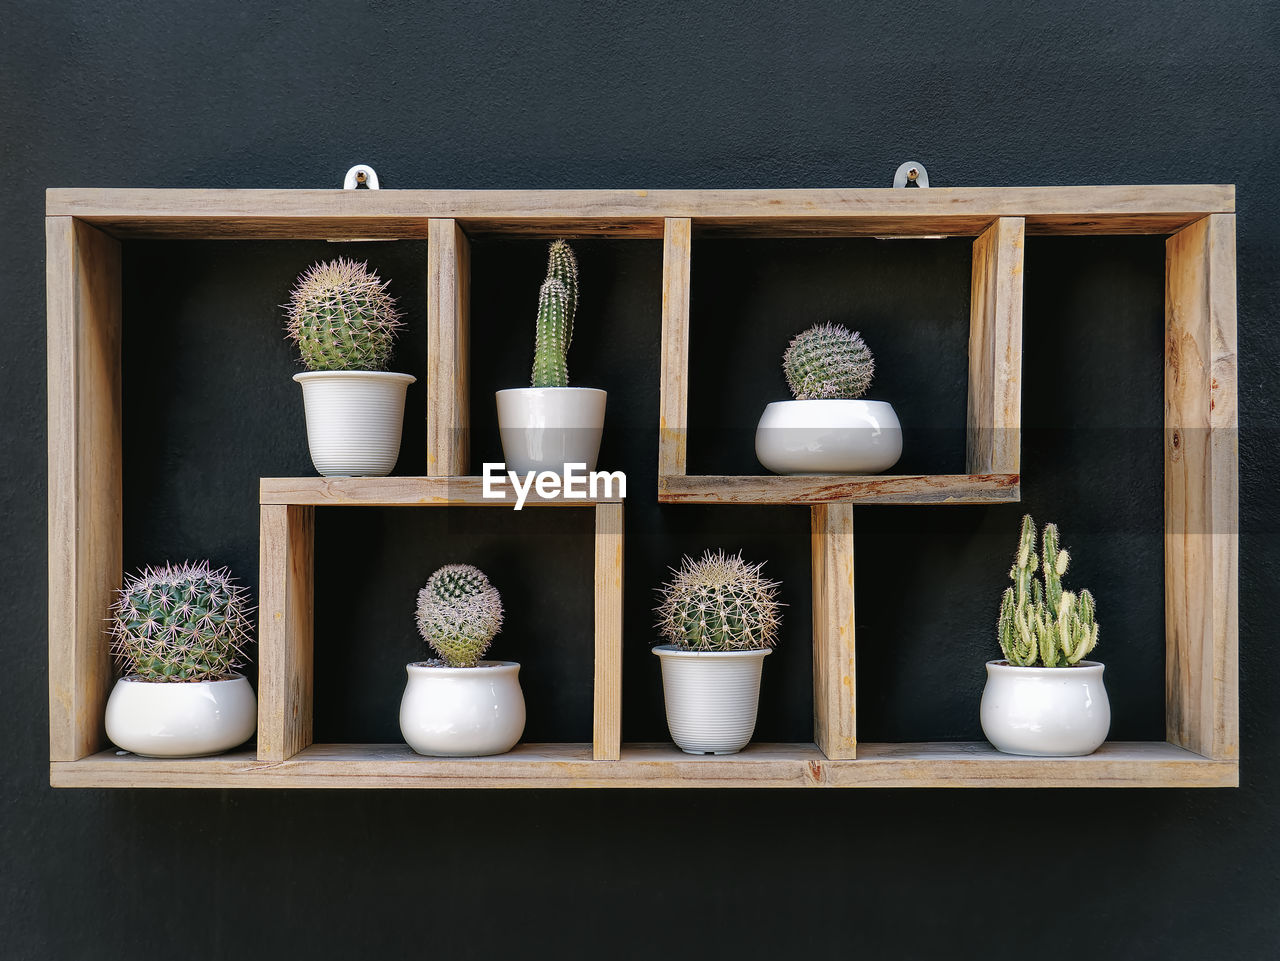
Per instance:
x=179, y=631
x=550, y=424
x=720, y=618
x=827, y=428
x=1044, y=698
x=344, y=323
x=457, y=704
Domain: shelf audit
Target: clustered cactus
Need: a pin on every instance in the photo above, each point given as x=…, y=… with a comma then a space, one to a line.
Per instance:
x=459, y=612
x=341, y=317
x=184, y=622
x=719, y=603
x=557, y=305
x=1039, y=621
x=828, y=362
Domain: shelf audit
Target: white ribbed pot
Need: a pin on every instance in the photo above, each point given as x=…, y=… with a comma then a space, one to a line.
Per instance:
x=828, y=437
x=181, y=718
x=462, y=711
x=711, y=697
x=1045, y=711
x=353, y=420
x=544, y=428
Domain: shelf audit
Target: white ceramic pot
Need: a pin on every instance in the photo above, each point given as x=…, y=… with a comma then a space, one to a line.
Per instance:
x=1045, y=711
x=462, y=711
x=353, y=420
x=711, y=697
x=181, y=718
x=828, y=437
x=544, y=428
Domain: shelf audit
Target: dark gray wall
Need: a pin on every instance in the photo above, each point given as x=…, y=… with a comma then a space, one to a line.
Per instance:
x=474, y=95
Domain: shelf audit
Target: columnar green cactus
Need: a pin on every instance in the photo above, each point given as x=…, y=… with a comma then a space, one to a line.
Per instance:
x=184, y=622
x=1039, y=621
x=459, y=612
x=828, y=362
x=719, y=603
x=557, y=305
x=341, y=317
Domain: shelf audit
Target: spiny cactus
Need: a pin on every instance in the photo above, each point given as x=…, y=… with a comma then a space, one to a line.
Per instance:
x=459, y=612
x=1039, y=621
x=341, y=317
x=557, y=305
x=828, y=362
x=184, y=622
x=719, y=603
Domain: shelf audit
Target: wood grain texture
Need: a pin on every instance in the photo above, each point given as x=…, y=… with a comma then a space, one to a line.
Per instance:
x=834, y=665
x=1201, y=489
x=339, y=214
x=993, y=436
x=607, y=720
x=448, y=349
x=285, y=631
x=673, y=384
x=947, y=764
x=85, y=530
x=406, y=492
x=834, y=488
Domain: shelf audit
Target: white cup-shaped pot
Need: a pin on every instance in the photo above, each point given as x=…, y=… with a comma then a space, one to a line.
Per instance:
x=544, y=428
x=828, y=437
x=181, y=718
x=462, y=711
x=1045, y=711
x=711, y=697
x=353, y=420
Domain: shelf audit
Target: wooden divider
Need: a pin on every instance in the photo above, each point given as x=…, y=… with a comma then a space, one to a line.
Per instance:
x=607, y=720
x=834, y=668
x=993, y=439
x=673, y=389
x=448, y=346
x=286, y=598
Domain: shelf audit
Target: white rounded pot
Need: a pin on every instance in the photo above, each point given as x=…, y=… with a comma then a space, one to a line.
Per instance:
x=181, y=718
x=462, y=711
x=711, y=697
x=828, y=437
x=544, y=428
x=353, y=420
x=1045, y=711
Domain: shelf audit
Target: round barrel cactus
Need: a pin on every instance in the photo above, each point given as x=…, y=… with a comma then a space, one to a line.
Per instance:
x=719, y=603
x=341, y=317
x=828, y=362
x=459, y=612
x=183, y=622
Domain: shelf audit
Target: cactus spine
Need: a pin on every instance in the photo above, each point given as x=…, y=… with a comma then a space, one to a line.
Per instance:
x=719, y=603
x=1039, y=621
x=557, y=307
x=828, y=362
x=459, y=612
x=341, y=317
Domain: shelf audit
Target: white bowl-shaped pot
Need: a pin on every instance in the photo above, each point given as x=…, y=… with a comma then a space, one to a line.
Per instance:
x=828, y=437
x=544, y=428
x=1045, y=711
x=462, y=711
x=181, y=718
x=353, y=420
x=711, y=697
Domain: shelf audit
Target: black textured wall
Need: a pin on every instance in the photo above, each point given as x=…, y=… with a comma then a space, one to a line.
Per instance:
x=475, y=95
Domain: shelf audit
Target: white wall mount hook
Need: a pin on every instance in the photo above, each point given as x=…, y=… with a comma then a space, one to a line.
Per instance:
x=364, y=174
x=911, y=172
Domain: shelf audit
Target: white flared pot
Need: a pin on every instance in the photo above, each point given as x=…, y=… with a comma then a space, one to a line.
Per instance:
x=544, y=428
x=1045, y=711
x=181, y=718
x=828, y=437
x=462, y=711
x=711, y=697
x=353, y=420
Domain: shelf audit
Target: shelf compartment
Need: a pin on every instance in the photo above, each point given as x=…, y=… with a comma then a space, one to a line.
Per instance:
x=941, y=764
x=834, y=488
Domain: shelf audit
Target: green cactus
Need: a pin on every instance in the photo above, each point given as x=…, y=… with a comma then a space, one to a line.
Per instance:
x=557, y=306
x=459, y=612
x=184, y=622
x=719, y=603
x=828, y=362
x=341, y=317
x=1039, y=621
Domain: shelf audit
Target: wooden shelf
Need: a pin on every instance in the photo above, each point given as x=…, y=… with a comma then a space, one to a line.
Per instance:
x=834, y=488
x=403, y=492
x=943, y=764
